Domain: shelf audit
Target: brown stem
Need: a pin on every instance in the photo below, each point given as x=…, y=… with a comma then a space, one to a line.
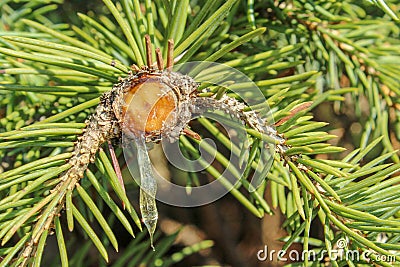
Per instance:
x=102, y=126
x=149, y=54
x=160, y=63
x=170, y=55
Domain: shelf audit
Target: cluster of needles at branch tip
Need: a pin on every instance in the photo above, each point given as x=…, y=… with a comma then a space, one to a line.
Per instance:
x=151, y=103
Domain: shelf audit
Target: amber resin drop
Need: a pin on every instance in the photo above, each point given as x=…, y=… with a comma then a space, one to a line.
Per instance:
x=149, y=103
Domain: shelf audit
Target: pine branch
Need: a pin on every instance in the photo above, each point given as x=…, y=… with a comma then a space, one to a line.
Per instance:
x=47, y=157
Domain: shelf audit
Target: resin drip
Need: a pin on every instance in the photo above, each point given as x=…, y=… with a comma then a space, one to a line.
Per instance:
x=148, y=189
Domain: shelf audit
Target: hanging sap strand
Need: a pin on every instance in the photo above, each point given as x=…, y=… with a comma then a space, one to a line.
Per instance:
x=148, y=188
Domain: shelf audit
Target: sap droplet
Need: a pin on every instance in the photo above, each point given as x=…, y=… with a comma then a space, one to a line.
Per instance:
x=148, y=189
